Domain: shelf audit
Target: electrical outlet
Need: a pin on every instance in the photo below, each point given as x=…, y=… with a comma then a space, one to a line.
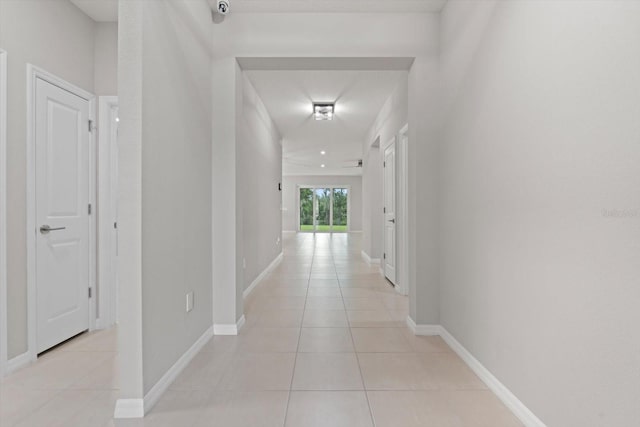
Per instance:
x=189, y=301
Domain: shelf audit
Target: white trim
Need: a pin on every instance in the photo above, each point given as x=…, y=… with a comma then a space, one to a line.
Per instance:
x=156, y=392
x=34, y=73
x=106, y=210
x=240, y=324
x=368, y=259
x=426, y=330
x=137, y=408
x=129, y=408
x=411, y=324
x=262, y=275
x=4, y=365
x=18, y=363
x=231, y=329
x=510, y=400
x=402, y=203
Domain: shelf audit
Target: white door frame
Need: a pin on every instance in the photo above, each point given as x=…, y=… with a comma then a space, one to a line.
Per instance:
x=3, y=213
x=107, y=289
x=313, y=187
x=34, y=73
x=402, y=214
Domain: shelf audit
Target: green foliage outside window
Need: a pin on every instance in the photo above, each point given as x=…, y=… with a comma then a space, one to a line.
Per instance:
x=323, y=198
x=306, y=207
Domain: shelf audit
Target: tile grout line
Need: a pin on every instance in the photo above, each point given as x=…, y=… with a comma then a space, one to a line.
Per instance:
x=295, y=361
x=366, y=394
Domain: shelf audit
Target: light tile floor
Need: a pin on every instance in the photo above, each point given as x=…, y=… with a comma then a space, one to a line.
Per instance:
x=325, y=344
x=72, y=385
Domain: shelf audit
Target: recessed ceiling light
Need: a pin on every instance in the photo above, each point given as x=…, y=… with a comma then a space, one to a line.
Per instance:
x=321, y=166
x=323, y=111
x=323, y=152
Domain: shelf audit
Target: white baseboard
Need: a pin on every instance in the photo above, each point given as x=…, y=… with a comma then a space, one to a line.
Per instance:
x=423, y=329
x=102, y=324
x=509, y=399
x=369, y=260
x=18, y=362
x=137, y=408
x=229, y=329
x=129, y=408
x=240, y=324
x=262, y=275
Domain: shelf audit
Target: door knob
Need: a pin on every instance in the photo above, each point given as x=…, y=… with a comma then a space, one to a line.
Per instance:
x=45, y=229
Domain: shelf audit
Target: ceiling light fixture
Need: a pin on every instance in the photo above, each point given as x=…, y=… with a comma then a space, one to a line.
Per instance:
x=323, y=152
x=321, y=166
x=323, y=111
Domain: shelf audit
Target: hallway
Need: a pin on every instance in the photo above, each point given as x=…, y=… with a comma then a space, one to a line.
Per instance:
x=164, y=168
x=326, y=344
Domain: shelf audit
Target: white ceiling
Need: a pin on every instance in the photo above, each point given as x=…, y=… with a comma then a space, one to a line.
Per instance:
x=289, y=95
x=99, y=10
x=107, y=10
x=381, y=6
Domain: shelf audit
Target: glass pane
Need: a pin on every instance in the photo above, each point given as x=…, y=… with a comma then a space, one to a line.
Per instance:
x=340, y=209
x=306, y=209
x=323, y=214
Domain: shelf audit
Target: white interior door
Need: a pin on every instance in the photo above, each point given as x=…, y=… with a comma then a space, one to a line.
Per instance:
x=62, y=144
x=389, y=258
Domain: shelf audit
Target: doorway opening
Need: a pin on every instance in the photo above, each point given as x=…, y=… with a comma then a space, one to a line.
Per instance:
x=72, y=208
x=389, y=210
x=324, y=209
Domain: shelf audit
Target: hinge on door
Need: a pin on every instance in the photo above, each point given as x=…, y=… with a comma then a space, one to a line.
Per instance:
x=384, y=256
x=89, y=209
x=90, y=292
x=91, y=126
x=384, y=164
x=384, y=210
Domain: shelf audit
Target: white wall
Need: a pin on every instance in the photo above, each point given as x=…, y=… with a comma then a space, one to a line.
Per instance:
x=228, y=287
x=63, y=46
x=540, y=149
x=352, y=34
x=290, y=197
x=393, y=116
x=105, y=49
x=130, y=60
x=260, y=163
x=165, y=188
x=372, y=199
